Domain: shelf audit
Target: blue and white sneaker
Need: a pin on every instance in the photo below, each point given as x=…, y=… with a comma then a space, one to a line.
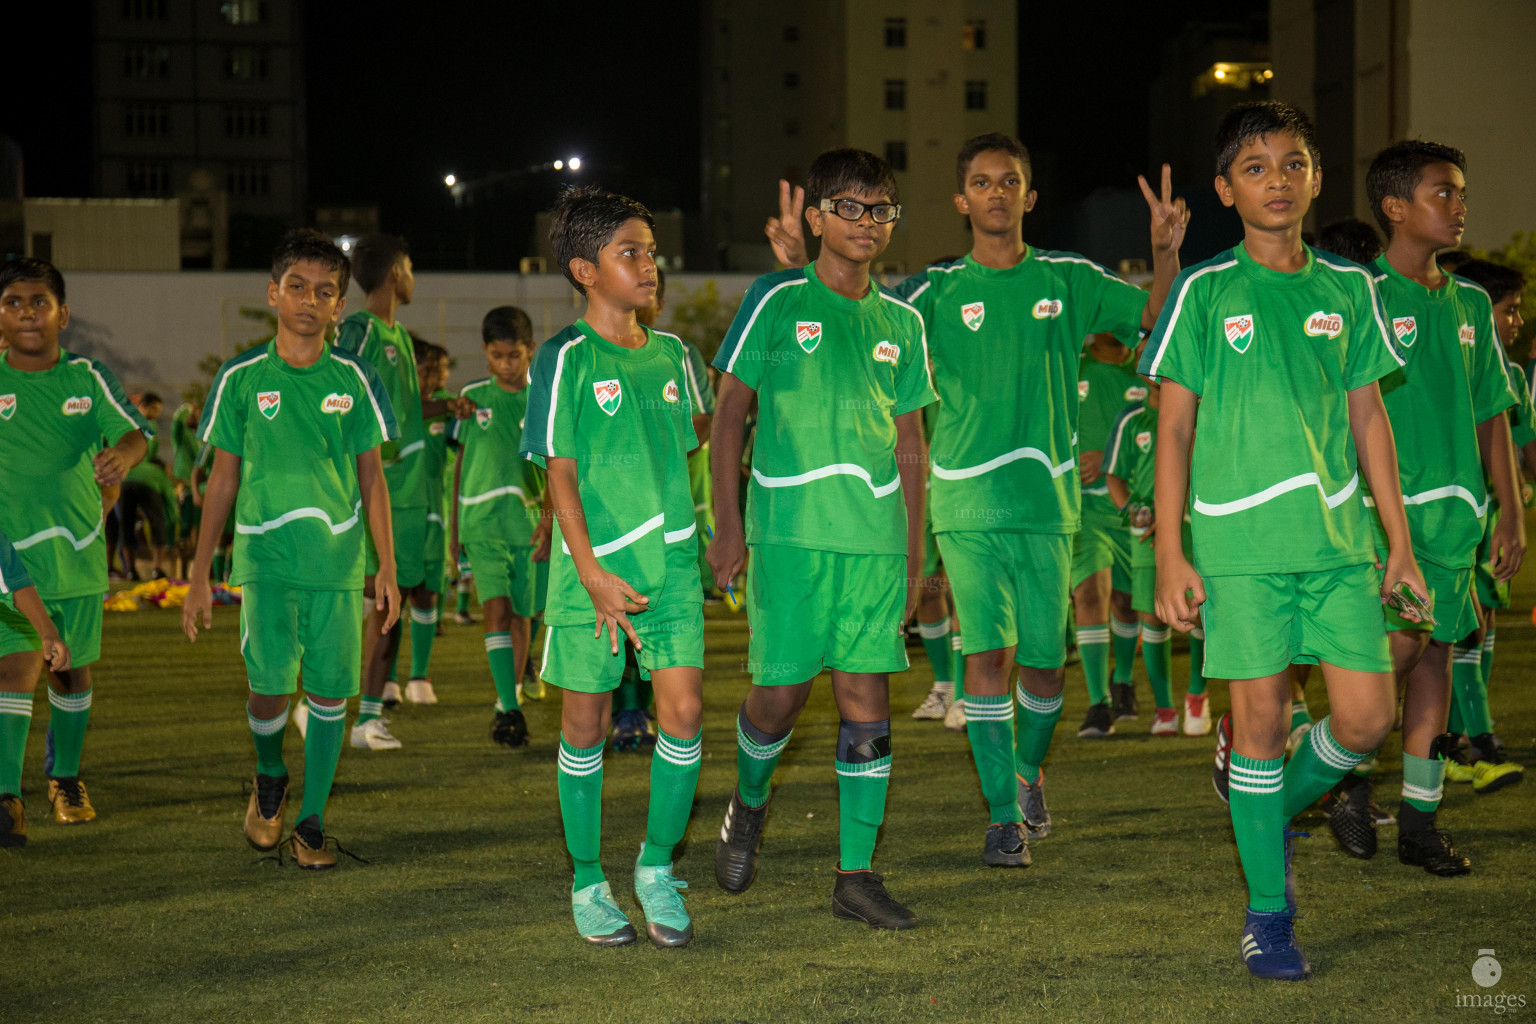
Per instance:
x=598, y=917
x=1269, y=946
x=666, y=919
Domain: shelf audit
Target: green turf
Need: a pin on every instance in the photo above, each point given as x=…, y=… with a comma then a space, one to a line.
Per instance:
x=160, y=912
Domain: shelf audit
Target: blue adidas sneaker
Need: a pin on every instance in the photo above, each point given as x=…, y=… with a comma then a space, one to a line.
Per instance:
x=1269, y=946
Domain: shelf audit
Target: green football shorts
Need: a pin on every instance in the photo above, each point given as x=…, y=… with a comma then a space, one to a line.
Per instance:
x=1011, y=589
x=78, y=620
x=410, y=536
x=1104, y=542
x=504, y=570
x=811, y=610
x=434, y=554
x=1257, y=625
x=540, y=586
x=1450, y=592
x=1144, y=589
x=671, y=636
x=932, y=561
x=283, y=629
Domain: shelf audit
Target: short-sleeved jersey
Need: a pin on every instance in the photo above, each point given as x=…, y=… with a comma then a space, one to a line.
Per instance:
x=185, y=443
x=1130, y=454
x=392, y=355
x=437, y=431
x=298, y=432
x=831, y=376
x=1452, y=379
x=13, y=574
x=498, y=488
x=1522, y=416
x=626, y=416
x=1273, y=357
x=1006, y=345
x=1103, y=392
x=698, y=379
x=52, y=424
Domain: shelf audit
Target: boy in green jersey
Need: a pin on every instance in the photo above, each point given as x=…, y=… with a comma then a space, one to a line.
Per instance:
x=1101, y=550
x=495, y=514
x=838, y=367
x=56, y=411
x=610, y=418
x=382, y=265
x=1447, y=411
x=432, y=374
x=296, y=426
x=1268, y=356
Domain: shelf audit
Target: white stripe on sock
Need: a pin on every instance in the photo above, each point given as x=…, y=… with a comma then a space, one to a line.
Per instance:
x=323, y=713
x=1427, y=795
x=1123, y=630
x=1039, y=705
x=267, y=726
x=933, y=630
x=425, y=616
x=1154, y=636
x=70, y=701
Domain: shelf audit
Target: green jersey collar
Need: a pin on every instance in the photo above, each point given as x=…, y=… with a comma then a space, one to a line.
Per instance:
x=1274, y=278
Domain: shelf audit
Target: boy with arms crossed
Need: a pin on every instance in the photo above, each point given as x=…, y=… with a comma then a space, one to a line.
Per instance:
x=610, y=418
x=1268, y=356
x=295, y=426
x=55, y=410
x=839, y=367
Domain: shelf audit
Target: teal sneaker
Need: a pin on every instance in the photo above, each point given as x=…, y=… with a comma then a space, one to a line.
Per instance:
x=598, y=918
x=666, y=920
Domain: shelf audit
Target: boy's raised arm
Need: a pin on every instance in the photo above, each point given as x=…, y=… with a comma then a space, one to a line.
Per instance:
x=727, y=553
x=375, y=492
x=1170, y=219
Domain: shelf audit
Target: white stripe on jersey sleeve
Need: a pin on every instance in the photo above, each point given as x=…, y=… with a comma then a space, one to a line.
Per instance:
x=218, y=396
x=746, y=332
x=1178, y=307
x=922, y=333
x=554, y=395
x=101, y=382
x=1493, y=325
x=367, y=390
x=1114, y=448
x=1376, y=304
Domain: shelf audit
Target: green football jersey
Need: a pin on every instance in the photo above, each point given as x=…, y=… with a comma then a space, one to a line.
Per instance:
x=436, y=431
x=13, y=574
x=699, y=481
x=1103, y=392
x=1005, y=458
x=1273, y=356
x=498, y=489
x=1130, y=454
x=393, y=357
x=1522, y=417
x=831, y=376
x=299, y=517
x=52, y=424
x=626, y=416
x=185, y=443
x=1453, y=378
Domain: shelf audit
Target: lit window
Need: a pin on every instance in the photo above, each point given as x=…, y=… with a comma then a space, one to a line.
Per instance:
x=1237, y=75
x=974, y=36
x=895, y=94
x=976, y=94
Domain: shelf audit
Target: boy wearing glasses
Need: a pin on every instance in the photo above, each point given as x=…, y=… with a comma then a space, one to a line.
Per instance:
x=838, y=367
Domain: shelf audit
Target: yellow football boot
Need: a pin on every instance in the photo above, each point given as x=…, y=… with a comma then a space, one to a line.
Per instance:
x=13, y=821
x=71, y=804
x=1488, y=777
x=1456, y=771
x=315, y=857
x=263, y=831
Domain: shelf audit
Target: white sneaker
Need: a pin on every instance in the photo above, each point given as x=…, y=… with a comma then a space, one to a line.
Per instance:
x=300, y=718
x=391, y=695
x=464, y=618
x=1297, y=735
x=1197, y=715
x=936, y=704
x=954, y=718
x=419, y=691
x=374, y=734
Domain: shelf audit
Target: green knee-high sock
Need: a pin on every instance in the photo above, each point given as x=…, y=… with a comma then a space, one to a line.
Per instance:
x=322, y=749
x=1196, y=662
x=989, y=724
x=423, y=636
x=369, y=708
x=1469, y=690
x=1488, y=664
x=267, y=735
x=674, y=778
x=957, y=663
x=757, y=754
x=15, y=719
x=1318, y=764
x=1124, y=644
x=70, y=714
x=581, y=809
x=1157, y=651
x=1423, y=782
x=1257, y=792
x=1300, y=715
x=394, y=665
x=1093, y=645
x=461, y=600
x=1038, y=718
x=935, y=636
x=498, y=651
x=863, y=776
x=627, y=696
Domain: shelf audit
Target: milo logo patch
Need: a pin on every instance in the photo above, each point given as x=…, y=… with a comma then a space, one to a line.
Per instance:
x=77, y=405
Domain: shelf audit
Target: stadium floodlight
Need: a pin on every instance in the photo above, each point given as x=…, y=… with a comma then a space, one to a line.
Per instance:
x=450, y=181
x=559, y=165
x=574, y=163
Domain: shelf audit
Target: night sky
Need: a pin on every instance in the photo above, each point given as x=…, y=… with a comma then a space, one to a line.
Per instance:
x=397, y=99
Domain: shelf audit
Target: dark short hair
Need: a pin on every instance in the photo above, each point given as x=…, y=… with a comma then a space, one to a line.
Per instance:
x=423, y=349
x=838, y=172
x=1351, y=238
x=25, y=268
x=150, y=398
x=586, y=219
x=1248, y=121
x=506, y=323
x=1499, y=281
x=1398, y=169
x=992, y=142
x=374, y=256
x=309, y=246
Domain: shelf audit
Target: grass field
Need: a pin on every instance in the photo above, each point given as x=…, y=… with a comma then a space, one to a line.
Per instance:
x=160, y=912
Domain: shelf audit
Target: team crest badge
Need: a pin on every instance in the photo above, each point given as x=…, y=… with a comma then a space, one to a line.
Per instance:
x=1324, y=325
x=334, y=402
x=1135, y=393
x=887, y=352
x=268, y=401
x=437, y=428
x=7, y=406
x=610, y=395
x=1082, y=389
x=392, y=354
x=1047, y=309
x=670, y=391
x=78, y=405
x=1467, y=335
x=1406, y=329
x=1239, y=331
x=483, y=417
x=1144, y=440
x=973, y=313
x=808, y=334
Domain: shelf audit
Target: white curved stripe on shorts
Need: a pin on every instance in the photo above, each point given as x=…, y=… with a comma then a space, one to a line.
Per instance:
x=1002, y=460
x=1097, y=491
x=1227, y=508
x=60, y=531
x=475, y=499
x=821, y=473
x=673, y=536
x=1436, y=494
x=303, y=513
x=649, y=526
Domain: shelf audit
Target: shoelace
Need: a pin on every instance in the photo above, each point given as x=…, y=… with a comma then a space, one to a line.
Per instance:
x=326, y=840
x=1277, y=930
x=599, y=916
x=667, y=889
x=74, y=793
x=1011, y=832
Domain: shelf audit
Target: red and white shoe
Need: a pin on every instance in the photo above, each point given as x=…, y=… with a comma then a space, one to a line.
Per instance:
x=1165, y=722
x=1197, y=715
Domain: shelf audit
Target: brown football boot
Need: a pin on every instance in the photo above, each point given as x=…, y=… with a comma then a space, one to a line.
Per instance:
x=268, y=793
x=309, y=847
x=71, y=804
x=13, y=821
